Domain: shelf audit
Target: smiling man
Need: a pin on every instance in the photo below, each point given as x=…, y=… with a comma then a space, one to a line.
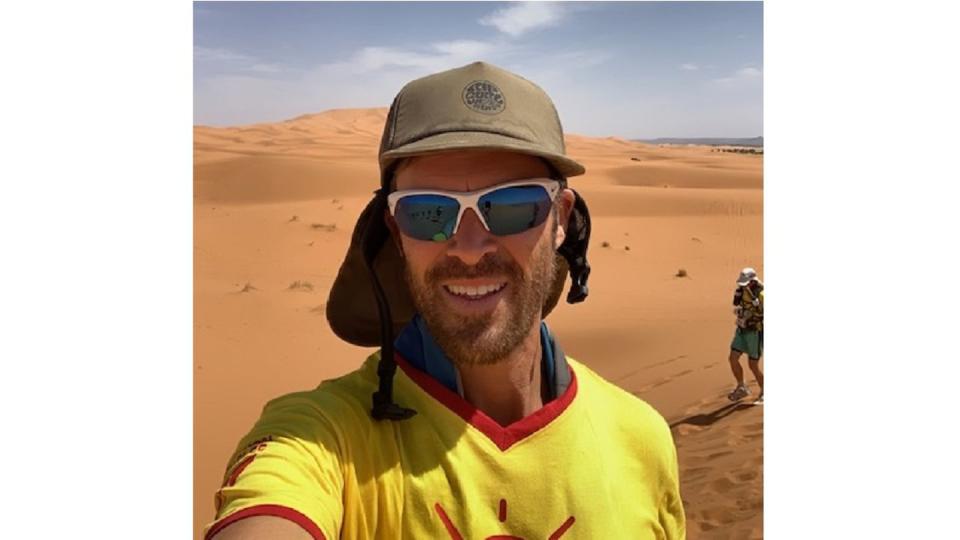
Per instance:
x=487, y=429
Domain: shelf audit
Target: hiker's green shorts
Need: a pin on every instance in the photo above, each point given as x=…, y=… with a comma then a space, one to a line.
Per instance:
x=748, y=341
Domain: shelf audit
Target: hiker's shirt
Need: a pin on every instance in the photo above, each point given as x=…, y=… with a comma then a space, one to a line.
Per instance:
x=750, y=308
x=594, y=462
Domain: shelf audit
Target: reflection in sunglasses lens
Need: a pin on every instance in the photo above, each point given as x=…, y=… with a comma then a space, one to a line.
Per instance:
x=505, y=211
x=515, y=209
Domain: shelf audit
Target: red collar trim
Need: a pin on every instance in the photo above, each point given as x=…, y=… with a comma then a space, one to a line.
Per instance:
x=503, y=437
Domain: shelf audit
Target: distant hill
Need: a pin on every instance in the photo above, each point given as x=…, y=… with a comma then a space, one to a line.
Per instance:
x=708, y=141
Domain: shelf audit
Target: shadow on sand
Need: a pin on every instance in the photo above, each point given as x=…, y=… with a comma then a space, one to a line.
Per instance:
x=711, y=417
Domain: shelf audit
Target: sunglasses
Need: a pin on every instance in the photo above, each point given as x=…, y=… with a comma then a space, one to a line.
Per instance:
x=504, y=209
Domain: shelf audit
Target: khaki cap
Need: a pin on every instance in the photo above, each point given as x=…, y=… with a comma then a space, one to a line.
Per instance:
x=477, y=106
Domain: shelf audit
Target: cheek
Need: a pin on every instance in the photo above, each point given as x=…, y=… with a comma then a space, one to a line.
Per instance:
x=419, y=255
x=522, y=246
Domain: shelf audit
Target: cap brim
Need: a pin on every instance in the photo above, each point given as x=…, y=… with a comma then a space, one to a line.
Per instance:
x=478, y=140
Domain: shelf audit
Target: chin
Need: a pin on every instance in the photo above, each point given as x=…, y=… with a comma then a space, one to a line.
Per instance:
x=484, y=341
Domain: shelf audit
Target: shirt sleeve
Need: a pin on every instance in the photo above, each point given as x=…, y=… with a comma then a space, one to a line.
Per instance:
x=288, y=466
x=671, y=514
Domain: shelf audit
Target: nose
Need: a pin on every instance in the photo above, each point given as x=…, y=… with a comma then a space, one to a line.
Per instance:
x=471, y=241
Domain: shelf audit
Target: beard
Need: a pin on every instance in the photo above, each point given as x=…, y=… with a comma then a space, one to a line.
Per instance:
x=483, y=339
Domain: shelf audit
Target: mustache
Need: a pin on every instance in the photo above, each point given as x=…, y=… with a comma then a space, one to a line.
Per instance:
x=490, y=265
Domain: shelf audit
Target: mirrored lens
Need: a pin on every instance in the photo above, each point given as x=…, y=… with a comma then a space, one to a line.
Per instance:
x=427, y=217
x=516, y=209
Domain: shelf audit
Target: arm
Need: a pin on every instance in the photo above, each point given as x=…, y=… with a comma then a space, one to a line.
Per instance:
x=671, y=514
x=285, y=480
x=258, y=527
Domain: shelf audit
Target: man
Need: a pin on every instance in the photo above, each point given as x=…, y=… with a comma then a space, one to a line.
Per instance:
x=487, y=429
x=748, y=337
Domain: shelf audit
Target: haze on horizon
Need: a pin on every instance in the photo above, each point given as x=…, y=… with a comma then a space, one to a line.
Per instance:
x=637, y=70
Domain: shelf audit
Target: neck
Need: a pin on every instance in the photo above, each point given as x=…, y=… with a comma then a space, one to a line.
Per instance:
x=511, y=388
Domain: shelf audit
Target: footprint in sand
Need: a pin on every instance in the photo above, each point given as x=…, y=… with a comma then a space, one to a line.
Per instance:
x=722, y=485
x=647, y=367
x=687, y=429
x=663, y=381
x=696, y=471
x=722, y=453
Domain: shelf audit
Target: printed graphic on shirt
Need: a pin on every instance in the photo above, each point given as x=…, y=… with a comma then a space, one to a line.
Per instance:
x=502, y=516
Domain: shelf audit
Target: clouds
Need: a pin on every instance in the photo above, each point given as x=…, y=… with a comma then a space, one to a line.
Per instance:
x=579, y=59
x=201, y=54
x=434, y=57
x=523, y=17
x=366, y=77
x=514, y=21
x=604, y=74
x=226, y=60
x=464, y=47
x=748, y=75
x=234, y=87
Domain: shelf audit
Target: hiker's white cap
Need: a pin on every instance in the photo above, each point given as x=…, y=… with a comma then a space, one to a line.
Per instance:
x=746, y=276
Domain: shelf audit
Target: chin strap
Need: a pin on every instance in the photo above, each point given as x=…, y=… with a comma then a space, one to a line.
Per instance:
x=574, y=250
x=374, y=236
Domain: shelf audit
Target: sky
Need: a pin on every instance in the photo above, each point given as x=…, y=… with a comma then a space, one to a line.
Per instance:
x=625, y=69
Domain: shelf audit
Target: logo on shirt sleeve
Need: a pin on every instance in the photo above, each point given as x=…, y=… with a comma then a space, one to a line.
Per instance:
x=243, y=460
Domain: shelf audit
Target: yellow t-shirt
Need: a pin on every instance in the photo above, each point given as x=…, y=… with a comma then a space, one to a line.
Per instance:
x=596, y=462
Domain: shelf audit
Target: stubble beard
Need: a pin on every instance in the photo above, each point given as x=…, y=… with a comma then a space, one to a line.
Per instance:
x=487, y=338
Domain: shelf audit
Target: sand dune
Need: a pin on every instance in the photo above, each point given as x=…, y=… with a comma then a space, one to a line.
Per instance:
x=266, y=179
x=275, y=205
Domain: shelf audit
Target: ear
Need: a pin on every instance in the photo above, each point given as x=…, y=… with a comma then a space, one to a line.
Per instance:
x=564, y=208
x=394, y=231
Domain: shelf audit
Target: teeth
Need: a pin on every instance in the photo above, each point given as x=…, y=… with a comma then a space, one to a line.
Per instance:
x=474, y=292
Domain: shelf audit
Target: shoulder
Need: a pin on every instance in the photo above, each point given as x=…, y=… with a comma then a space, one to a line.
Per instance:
x=622, y=408
x=338, y=396
x=333, y=411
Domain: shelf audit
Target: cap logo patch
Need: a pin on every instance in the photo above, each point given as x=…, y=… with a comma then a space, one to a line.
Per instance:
x=484, y=97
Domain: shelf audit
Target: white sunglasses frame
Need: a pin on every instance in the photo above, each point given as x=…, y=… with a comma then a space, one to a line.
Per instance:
x=471, y=199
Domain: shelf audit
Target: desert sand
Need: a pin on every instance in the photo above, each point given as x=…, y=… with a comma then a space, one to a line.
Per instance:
x=274, y=207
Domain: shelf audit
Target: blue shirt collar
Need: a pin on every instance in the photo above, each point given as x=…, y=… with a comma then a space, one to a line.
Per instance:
x=417, y=346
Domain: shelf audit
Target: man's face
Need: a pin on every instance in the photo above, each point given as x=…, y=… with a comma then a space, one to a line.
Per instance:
x=480, y=294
